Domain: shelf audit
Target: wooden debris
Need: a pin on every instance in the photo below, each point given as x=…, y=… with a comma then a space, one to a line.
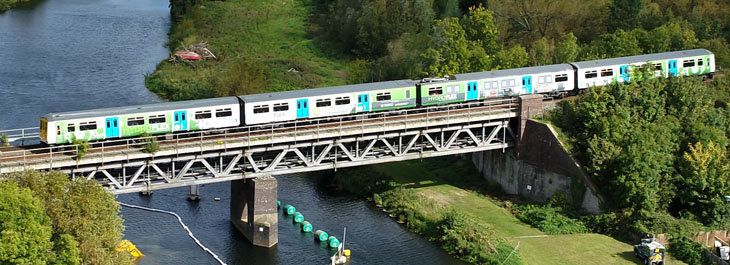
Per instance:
x=193, y=52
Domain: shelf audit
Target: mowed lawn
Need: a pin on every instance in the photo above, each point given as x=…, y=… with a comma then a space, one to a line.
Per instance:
x=450, y=182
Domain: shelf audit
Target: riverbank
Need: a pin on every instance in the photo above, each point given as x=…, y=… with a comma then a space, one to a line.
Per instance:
x=6, y=5
x=261, y=46
x=450, y=184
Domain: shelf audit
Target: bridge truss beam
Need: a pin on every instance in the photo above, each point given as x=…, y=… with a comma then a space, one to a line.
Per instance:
x=288, y=158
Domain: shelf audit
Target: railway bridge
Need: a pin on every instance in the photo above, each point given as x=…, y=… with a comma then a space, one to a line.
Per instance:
x=250, y=155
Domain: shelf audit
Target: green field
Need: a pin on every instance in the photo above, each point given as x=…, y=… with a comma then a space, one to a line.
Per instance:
x=261, y=46
x=451, y=183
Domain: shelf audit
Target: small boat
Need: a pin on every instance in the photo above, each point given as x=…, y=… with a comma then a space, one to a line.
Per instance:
x=342, y=256
x=185, y=55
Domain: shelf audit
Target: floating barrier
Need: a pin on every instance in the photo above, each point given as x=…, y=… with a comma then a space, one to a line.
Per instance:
x=278, y=204
x=288, y=209
x=321, y=235
x=298, y=217
x=333, y=242
x=306, y=227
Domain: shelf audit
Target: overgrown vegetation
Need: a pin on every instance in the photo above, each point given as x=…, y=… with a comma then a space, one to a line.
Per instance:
x=652, y=147
x=551, y=218
x=4, y=140
x=151, y=144
x=688, y=251
x=80, y=147
x=47, y=219
x=6, y=5
x=261, y=46
x=418, y=38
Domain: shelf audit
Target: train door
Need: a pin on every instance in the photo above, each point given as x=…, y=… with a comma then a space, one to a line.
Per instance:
x=112, y=127
x=363, y=102
x=181, y=121
x=527, y=84
x=673, y=67
x=302, y=108
x=624, y=72
x=471, y=91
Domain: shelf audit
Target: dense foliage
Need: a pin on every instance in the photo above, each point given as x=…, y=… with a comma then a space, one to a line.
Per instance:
x=65, y=222
x=654, y=146
x=549, y=219
x=688, y=251
x=419, y=38
x=8, y=4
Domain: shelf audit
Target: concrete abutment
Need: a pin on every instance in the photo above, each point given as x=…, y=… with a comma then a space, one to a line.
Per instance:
x=253, y=210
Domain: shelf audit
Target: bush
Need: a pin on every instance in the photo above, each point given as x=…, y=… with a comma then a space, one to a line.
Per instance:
x=549, y=219
x=81, y=146
x=688, y=251
x=152, y=145
x=4, y=140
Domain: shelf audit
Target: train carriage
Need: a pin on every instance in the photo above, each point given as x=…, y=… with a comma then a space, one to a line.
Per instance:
x=328, y=101
x=130, y=121
x=623, y=69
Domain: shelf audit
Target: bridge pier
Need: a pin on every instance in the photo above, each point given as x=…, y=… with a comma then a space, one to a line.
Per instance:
x=253, y=210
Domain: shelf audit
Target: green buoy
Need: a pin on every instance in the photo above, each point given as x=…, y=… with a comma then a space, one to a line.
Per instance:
x=288, y=209
x=321, y=235
x=278, y=203
x=333, y=242
x=306, y=227
x=298, y=217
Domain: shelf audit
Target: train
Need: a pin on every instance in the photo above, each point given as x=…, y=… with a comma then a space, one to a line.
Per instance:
x=259, y=109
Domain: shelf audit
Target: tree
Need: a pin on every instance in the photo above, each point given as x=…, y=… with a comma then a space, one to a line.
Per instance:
x=25, y=229
x=81, y=209
x=449, y=51
x=541, y=52
x=480, y=28
x=511, y=58
x=624, y=14
x=705, y=176
x=567, y=50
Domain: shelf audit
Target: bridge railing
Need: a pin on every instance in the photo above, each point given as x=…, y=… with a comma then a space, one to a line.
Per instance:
x=31, y=133
x=256, y=135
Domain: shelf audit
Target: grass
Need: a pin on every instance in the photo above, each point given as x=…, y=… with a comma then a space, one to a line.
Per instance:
x=454, y=183
x=261, y=45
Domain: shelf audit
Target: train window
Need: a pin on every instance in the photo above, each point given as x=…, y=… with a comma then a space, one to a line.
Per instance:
x=258, y=109
x=548, y=79
x=382, y=96
x=606, y=72
x=58, y=129
x=511, y=83
x=135, y=121
x=325, y=102
x=87, y=126
x=203, y=114
x=699, y=61
x=495, y=84
x=434, y=91
x=71, y=128
x=561, y=78
x=157, y=119
x=487, y=85
x=591, y=74
x=342, y=100
x=658, y=66
x=408, y=94
x=688, y=63
x=227, y=112
x=281, y=106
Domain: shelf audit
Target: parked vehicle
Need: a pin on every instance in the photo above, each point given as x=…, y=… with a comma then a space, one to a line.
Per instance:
x=650, y=251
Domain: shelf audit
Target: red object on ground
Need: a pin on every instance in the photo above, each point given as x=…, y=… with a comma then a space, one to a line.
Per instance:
x=188, y=55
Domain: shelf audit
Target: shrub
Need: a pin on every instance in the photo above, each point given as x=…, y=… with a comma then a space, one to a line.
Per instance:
x=4, y=140
x=688, y=251
x=81, y=146
x=152, y=145
x=549, y=219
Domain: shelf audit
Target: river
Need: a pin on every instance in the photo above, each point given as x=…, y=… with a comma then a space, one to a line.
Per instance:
x=63, y=55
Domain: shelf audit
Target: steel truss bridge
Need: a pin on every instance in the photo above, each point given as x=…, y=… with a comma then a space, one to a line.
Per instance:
x=191, y=158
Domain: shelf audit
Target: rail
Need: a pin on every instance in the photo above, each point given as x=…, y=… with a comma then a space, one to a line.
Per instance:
x=257, y=135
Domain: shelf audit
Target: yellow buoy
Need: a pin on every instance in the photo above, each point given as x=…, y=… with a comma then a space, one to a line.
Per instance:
x=127, y=245
x=347, y=252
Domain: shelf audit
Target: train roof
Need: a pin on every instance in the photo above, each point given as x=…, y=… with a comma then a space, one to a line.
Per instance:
x=313, y=92
x=92, y=113
x=512, y=72
x=642, y=58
